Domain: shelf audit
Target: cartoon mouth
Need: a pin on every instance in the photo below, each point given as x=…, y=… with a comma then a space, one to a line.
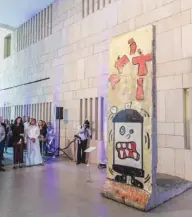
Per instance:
x=127, y=150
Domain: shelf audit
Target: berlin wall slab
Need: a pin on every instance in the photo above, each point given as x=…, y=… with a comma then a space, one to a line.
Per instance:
x=132, y=141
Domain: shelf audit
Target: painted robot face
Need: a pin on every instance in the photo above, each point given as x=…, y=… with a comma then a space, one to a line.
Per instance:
x=128, y=144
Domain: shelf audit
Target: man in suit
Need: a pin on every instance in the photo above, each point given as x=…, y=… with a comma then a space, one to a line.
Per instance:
x=84, y=135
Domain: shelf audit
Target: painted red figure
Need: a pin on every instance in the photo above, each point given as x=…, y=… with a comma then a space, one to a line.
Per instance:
x=141, y=62
x=121, y=62
x=133, y=46
x=140, y=90
x=114, y=79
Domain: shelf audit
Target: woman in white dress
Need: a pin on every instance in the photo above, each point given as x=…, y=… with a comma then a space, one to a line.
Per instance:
x=33, y=156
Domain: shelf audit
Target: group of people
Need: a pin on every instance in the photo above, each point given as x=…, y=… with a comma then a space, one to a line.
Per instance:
x=24, y=133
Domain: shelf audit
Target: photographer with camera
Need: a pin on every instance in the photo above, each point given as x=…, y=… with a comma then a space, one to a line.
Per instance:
x=84, y=135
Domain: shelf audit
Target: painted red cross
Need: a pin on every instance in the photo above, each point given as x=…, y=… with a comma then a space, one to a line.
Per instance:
x=141, y=62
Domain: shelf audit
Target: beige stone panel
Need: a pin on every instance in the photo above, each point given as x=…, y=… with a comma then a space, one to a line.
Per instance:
x=91, y=92
x=188, y=165
x=165, y=128
x=66, y=50
x=74, y=32
x=92, y=82
x=148, y=5
x=69, y=21
x=84, y=53
x=71, y=103
x=181, y=66
x=84, y=83
x=132, y=25
x=103, y=46
x=67, y=95
x=58, y=96
x=176, y=142
x=159, y=159
x=111, y=13
x=187, y=80
x=186, y=38
x=69, y=73
x=169, y=82
x=105, y=64
x=120, y=28
x=173, y=21
x=161, y=141
x=179, y=129
x=85, y=25
x=161, y=106
x=175, y=106
x=78, y=16
x=100, y=22
x=127, y=10
x=159, y=13
x=65, y=87
x=94, y=23
x=58, y=27
x=92, y=64
x=47, y=90
x=96, y=38
x=80, y=69
x=169, y=50
x=73, y=114
x=74, y=85
x=166, y=161
x=180, y=163
x=186, y=4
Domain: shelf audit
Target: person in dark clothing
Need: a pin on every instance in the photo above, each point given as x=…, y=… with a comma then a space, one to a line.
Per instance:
x=43, y=134
x=7, y=137
x=2, y=137
x=3, y=142
x=18, y=142
x=12, y=123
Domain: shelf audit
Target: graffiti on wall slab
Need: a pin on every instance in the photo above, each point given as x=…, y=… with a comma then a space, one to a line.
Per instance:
x=130, y=109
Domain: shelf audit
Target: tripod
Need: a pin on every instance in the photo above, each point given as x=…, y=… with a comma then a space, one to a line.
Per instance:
x=54, y=151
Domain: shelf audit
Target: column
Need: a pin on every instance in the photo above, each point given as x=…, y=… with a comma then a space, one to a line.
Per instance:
x=81, y=111
x=46, y=112
x=85, y=8
x=37, y=111
x=51, y=114
x=85, y=108
x=45, y=22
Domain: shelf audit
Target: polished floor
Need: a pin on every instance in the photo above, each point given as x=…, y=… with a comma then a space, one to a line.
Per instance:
x=60, y=189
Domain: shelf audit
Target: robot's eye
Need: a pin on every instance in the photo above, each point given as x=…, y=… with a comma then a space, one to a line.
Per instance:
x=131, y=131
x=122, y=130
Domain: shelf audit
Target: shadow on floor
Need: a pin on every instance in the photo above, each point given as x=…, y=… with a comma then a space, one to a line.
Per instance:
x=8, y=157
x=60, y=189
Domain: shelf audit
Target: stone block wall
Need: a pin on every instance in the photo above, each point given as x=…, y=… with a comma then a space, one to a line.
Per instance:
x=76, y=58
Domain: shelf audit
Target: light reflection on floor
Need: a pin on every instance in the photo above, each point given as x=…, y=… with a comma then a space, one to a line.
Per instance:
x=60, y=189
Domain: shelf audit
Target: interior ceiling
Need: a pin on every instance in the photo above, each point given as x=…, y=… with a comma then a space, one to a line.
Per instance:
x=13, y=13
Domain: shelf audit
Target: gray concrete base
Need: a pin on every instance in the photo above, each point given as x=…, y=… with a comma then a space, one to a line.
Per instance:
x=167, y=187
